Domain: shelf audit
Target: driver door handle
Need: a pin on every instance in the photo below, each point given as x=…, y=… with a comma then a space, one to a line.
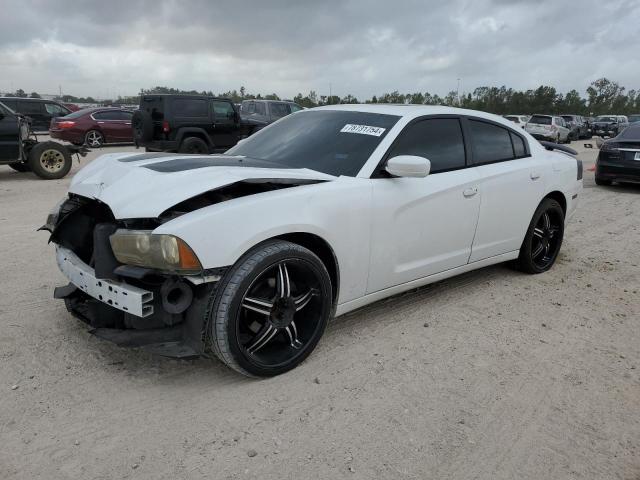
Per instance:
x=470, y=192
x=534, y=175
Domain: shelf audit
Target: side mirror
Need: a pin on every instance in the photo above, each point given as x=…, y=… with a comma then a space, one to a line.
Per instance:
x=408, y=166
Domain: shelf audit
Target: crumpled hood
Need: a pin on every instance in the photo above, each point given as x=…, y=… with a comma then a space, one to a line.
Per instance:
x=145, y=185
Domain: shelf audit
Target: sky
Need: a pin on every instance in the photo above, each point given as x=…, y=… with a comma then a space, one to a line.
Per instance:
x=111, y=47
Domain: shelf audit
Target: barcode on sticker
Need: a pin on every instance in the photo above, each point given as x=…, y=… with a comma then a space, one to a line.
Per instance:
x=363, y=129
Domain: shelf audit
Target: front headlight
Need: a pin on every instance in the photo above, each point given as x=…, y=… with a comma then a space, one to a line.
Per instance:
x=162, y=252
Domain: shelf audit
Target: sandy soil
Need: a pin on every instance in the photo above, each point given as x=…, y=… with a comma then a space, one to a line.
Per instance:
x=490, y=375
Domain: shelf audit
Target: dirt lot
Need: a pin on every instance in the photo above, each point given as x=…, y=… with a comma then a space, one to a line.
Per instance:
x=491, y=375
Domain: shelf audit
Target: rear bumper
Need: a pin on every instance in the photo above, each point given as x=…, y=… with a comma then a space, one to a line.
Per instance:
x=618, y=173
x=160, y=145
x=67, y=135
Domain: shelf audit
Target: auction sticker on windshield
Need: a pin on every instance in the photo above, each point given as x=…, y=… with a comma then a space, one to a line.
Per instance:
x=363, y=129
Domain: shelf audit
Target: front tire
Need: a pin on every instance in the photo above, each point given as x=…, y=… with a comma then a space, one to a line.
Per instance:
x=50, y=160
x=543, y=240
x=270, y=310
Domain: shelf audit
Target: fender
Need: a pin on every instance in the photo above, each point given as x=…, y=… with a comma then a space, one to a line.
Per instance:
x=200, y=131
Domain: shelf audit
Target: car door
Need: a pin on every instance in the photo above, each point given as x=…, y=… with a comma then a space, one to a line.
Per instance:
x=511, y=184
x=422, y=226
x=9, y=136
x=115, y=124
x=226, y=124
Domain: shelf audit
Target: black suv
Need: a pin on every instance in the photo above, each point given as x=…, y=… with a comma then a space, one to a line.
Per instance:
x=40, y=111
x=188, y=124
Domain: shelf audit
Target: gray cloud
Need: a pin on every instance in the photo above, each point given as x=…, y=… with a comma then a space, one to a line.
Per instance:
x=105, y=48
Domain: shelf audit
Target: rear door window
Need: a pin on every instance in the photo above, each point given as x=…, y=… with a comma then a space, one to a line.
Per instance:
x=518, y=145
x=439, y=140
x=190, y=107
x=260, y=108
x=107, y=115
x=30, y=107
x=12, y=104
x=491, y=143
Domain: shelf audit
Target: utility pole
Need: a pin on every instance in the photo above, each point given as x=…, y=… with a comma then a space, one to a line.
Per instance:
x=458, y=92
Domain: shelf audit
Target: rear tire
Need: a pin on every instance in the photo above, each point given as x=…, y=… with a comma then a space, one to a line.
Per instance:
x=194, y=145
x=543, y=240
x=142, y=125
x=94, y=139
x=20, y=167
x=50, y=160
x=269, y=311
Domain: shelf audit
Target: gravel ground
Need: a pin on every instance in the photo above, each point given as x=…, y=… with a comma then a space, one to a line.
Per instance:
x=490, y=375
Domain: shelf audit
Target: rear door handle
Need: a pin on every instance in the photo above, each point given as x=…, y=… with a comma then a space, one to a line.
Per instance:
x=534, y=175
x=470, y=192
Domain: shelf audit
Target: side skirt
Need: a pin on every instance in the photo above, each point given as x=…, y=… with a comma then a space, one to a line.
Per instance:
x=388, y=292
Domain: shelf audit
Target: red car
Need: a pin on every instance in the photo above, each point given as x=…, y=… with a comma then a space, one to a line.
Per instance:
x=93, y=126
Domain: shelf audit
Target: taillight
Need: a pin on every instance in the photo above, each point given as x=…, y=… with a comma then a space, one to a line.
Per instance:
x=165, y=126
x=66, y=124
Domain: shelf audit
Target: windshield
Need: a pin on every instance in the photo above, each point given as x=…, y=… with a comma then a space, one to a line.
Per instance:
x=604, y=118
x=328, y=141
x=634, y=118
x=540, y=120
x=568, y=118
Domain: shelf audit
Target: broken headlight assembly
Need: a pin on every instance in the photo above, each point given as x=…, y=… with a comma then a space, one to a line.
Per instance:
x=161, y=252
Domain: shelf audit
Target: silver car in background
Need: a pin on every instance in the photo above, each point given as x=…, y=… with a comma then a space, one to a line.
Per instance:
x=552, y=128
x=521, y=120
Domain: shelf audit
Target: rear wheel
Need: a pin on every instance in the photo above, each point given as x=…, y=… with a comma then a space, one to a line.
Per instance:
x=94, y=139
x=543, y=240
x=270, y=310
x=49, y=160
x=194, y=145
x=19, y=167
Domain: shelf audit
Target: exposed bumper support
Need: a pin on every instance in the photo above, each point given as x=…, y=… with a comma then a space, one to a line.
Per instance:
x=126, y=298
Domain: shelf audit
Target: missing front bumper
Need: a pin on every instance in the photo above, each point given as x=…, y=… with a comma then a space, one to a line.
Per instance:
x=121, y=296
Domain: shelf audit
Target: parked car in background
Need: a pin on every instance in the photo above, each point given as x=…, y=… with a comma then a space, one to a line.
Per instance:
x=40, y=111
x=619, y=157
x=187, y=124
x=548, y=127
x=93, y=127
x=521, y=120
x=577, y=125
x=609, y=125
x=634, y=118
x=72, y=106
x=261, y=113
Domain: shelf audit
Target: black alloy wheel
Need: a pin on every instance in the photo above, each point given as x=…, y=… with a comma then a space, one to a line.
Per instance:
x=543, y=240
x=271, y=309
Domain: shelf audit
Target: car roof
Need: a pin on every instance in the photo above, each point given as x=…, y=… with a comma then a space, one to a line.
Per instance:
x=413, y=111
x=26, y=99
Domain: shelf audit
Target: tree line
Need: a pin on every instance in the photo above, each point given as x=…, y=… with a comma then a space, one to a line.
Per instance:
x=603, y=96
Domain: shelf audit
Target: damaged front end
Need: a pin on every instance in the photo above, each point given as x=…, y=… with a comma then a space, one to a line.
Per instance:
x=131, y=305
x=132, y=286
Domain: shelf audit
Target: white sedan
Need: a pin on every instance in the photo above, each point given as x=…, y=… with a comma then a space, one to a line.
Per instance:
x=247, y=255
